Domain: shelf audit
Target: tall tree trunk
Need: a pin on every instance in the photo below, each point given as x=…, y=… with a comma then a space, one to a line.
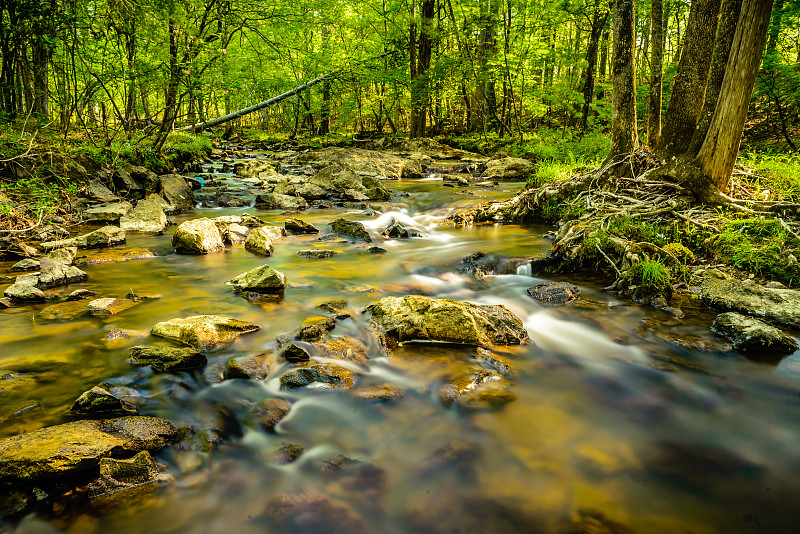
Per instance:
x=171, y=90
x=419, y=83
x=623, y=106
x=598, y=22
x=727, y=28
x=720, y=148
x=41, y=94
x=689, y=85
x=656, y=69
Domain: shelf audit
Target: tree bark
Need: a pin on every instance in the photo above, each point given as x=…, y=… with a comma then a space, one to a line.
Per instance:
x=598, y=22
x=419, y=82
x=727, y=27
x=623, y=106
x=720, y=148
x=656, y=69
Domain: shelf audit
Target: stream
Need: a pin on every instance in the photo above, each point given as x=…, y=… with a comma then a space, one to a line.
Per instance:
x=625, y=418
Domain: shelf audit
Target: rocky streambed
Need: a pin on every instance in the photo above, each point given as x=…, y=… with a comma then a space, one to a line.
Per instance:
x=298, y=342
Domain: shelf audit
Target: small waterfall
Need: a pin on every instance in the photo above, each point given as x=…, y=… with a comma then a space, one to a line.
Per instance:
x=525, y=269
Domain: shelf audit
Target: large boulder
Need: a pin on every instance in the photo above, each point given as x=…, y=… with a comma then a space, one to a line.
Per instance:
x=259, y=241
x=176, y=191
x=127, y=184
x=508, y=169
x=754, y=337
x=203, y=332
x=198, y=236
x=147, y=217
x=54, y=274
x=24, y=293
x=417, y=318
x=70, y=448
x=722, y=293
x=262, y=279
x=338, y=179
x=109, y=212
x=96, y=191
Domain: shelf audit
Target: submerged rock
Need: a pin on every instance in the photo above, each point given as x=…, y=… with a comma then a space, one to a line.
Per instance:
x=269, y=412
x=259, y=241
x=100, y=402
x=203, y=332
x=299, y=226
x=262, y=279
x=318, y=376
x=198, y=236
x=70, y=448
x=352, y=228
x=310, y=511
x=71, y=309
x=417, y=318
x=316, y=253
x=147, y=217
x=114, y=256
x=167, y=359
x=477, y=389
x=121, y=480
x=384, y=392
x=555, y=293
x=754, y=337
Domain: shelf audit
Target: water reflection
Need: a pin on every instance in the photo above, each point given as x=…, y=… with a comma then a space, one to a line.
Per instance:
x=614, y=422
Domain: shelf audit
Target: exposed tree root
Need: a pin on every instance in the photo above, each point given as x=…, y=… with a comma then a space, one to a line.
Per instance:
x=598, y=215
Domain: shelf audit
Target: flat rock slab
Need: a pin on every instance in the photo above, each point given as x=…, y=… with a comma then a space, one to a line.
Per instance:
x=108, y=213
x=167, y=359
x=776, y=305
x=752, y=336
x=114, y=256
x=106, y=307
x=102, y=237
x=65, y=310
x=417, y=318
x=203, y=332
x=66, y=449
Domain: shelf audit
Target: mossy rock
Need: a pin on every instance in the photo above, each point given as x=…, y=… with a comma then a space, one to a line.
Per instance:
x=326, y=376
x=262, y=279
x=198, y=236
x=203, y=332
x=167, y=359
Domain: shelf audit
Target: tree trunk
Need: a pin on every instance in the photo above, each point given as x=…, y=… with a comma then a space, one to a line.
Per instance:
x=598, y=22
x=656, y=69
x=419, y=83
x=41, y=95
x=720, y=148
x=171, y=90
x=727, y=27
x=689, y=85
x=623, y=106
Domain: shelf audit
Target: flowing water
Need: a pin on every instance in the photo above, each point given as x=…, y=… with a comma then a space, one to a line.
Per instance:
x=615, y=422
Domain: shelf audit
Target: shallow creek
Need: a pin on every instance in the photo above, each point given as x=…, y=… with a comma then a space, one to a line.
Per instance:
x=614, y=423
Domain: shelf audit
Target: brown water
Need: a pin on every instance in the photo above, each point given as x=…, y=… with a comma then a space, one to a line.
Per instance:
x=610, y=418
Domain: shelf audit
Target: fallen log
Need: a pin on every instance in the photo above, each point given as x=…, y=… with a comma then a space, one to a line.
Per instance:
x=199, y=127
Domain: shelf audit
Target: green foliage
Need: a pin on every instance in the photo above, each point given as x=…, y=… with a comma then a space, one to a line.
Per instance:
x=763, y=246
x=652, y=274
x=776, y=175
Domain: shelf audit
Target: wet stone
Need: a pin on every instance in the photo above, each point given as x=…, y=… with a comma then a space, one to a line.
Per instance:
x=198, y=236
x=299, y=226
x=259, y=241
x=248, y=367
x=66, y=449
x=555, y=293
x=479, y=389
x=28, y=264
x=351, y=228
x=64, y=311
x=294, y=353
x=310, y=511
x=331, y=238
x=24, y=293
x=377, y=250
x=314, y=328
x=203, y=332
x=167, y=359
x=316, y=253
x=262, y=279
x=287, y=452
x=753, y=337
x=494, y=362
x=99, y=402
x=335, y=309
x=114, y=256
x=325, y=376
x=108, y=306
x=269, y=412
x=381, y=393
